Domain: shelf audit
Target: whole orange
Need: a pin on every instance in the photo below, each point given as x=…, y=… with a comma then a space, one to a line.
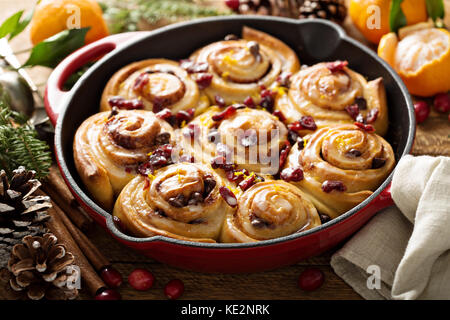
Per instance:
x=371, y=17
x=53, y=16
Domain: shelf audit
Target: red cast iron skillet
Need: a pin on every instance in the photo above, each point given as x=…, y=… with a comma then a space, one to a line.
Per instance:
x=313, y=41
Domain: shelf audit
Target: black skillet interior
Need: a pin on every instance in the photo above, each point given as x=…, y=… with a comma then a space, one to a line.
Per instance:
x=313, y=41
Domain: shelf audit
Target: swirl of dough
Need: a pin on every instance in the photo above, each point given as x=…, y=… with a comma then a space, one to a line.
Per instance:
x=269, y=210
x=342, y=166
x=241, y=67
x=334, y=97
x=108, y=146
x=180, y=201
x=158, y=84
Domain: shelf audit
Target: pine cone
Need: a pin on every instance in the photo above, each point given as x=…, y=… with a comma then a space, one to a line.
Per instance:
x=21, y=213
x=284, y=8
x=40, y=268
x=333, y=10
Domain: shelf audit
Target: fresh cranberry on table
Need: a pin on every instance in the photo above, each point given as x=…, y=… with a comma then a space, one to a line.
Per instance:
x=108, y=294
x=311, y=279
x=442, y=102
x=141, y=279
x=174, y=289
x=111, y=276
x=422, y=111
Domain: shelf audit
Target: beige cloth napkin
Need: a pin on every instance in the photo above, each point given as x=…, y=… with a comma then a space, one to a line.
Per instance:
x=408, y=246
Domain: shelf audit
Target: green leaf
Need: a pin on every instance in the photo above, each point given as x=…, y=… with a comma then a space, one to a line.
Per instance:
x=21, y=25
x=9, y=25
x=397, y=18
x=51, y=51
x=435, y=9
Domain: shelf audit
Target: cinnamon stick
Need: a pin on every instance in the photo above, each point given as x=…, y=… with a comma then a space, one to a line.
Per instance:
x=56, y=225
x=56, y=188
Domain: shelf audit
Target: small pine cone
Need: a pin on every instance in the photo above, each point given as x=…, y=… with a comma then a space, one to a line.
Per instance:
x=21, y=212
x=334, y=10
x=41, y=268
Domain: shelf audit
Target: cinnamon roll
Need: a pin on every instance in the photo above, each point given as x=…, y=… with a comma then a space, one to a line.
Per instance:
x=269, y=210
x=109, y=145
x=341, y=166
x=181, y=201
x=153, y=84
x=250, y=138
x=240, y=67
x=331, y=93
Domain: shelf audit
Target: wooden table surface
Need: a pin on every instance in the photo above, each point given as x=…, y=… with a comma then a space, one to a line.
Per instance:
x=433, y=138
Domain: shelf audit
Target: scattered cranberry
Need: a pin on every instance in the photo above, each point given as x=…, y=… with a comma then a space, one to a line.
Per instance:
x=366, y=127
x=193, y=67
x=337, y=65
x=174, y=289
x=249, y=102
x=267, y=102
x=372, y=116
x=300, y=143
x=141, y=279
x=284, y=153
x=284, y=79
x=293, y=136
x=306, y=122
x=228, y=196
x=204, y=80
x=352, y=110
x=111, y=276
x=164, y=114
x=228, y=112
x=442, y=102
x=232, y=4
x=122, y=103
x=279, y=115
x=108, y=294
x=422, y=111
x=219, y=101
x=247, y=183
x=292, y=174
x=141, y=81
x=330, y=185
x=185, y=115
x=311, y=279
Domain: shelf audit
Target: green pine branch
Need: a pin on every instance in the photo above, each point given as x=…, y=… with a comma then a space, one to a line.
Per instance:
x=19, y=144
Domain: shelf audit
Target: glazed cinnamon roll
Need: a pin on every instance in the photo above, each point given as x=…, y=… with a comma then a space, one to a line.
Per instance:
x=239, y=67
x=180, y=201
x=109, y=145
x=339, y=167
x=250, y=138
x=269, y=210
x=153, y=84
x=331, y=93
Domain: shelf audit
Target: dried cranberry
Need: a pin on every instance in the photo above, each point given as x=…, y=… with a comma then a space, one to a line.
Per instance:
x=336, y=65
x=378, y=162
x=441, y=102
x=267, y=93
x=166, y=115
x=209, y=184
x=284, y=153
x=300, y=143
x=141, y=279
x=267, y=102
x=144, y=169
x=279, y=115
x=372, y=116
x=193, y=67
x=311, y=279
x=293, y=137
x=218, y=162
x=122, y=103
x=352, y=110
x=330, y=185
x=219, y=101
x=284, y=79
x=422, y=111
x=178, y=202
x=353, y=153
x=141, y=81
x=228, y=196
x=184, y=115
x=114, y=111
x=324, y=218
x=157, y=106
x=366, y=127
x=247, y=183
x=249, y=102
x=228, y=112
x=128, y=170
x=292, y=174
x=174, y=289
x=204, y=80
x=308, y=123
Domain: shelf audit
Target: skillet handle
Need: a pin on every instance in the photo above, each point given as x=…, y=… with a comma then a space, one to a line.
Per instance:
x=383, y=200
x=55, y=96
